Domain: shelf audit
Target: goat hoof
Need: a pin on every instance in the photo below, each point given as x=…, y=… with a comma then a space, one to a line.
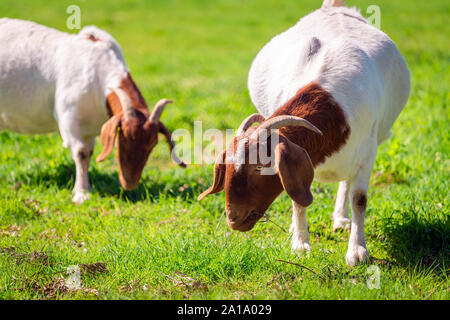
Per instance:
x=300, y=247
x=356, y=255
x=80, y=196
x=341, y=224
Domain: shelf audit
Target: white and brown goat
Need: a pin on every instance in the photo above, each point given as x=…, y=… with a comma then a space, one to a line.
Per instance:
x=51, y=80
x=328, y=90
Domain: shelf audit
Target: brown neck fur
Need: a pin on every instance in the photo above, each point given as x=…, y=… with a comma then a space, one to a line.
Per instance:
x=129, y=86
x=316, y=105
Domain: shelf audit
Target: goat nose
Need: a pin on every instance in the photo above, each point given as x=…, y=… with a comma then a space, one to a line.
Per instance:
x=233, y=224
x=231, y=214
x=127, y=185
x=232, y=220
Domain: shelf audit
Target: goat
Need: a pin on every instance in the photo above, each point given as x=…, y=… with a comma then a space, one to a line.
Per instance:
x=328, y=90
x=79, y=84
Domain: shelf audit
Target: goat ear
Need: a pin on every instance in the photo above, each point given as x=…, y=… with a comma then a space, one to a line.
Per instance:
x=108, y=136
x=219, y=177
x=295, y=170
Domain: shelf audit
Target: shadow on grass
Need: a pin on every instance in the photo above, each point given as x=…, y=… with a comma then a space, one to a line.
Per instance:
x=107, y=184
x=418, y=239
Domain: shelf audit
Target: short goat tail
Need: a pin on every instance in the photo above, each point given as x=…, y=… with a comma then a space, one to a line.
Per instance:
x=333, y=3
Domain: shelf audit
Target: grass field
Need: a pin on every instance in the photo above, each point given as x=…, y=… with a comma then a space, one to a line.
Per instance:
x=158, y=242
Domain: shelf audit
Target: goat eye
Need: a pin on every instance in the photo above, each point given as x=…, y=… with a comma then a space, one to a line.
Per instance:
x=259, y=168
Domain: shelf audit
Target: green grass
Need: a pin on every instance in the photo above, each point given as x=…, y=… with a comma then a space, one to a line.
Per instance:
x=158, y=242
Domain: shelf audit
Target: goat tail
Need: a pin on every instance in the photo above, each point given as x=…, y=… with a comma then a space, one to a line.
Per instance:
x=333, y=3
x=96, y=34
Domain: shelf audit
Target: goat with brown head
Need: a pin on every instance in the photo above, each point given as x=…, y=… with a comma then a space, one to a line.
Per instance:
x=136, y=131
x=251, y=186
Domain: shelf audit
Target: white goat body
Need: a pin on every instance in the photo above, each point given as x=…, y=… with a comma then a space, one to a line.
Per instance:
x=52, y=80
x=48, y=77
x=356, y=63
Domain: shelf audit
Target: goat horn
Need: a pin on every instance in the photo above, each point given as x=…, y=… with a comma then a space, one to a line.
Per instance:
x=125, y=102
x=256, y=117
x=284, y=121
x=158, y=109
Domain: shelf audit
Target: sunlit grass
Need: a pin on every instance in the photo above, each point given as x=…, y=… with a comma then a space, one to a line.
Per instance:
x=158, y=242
